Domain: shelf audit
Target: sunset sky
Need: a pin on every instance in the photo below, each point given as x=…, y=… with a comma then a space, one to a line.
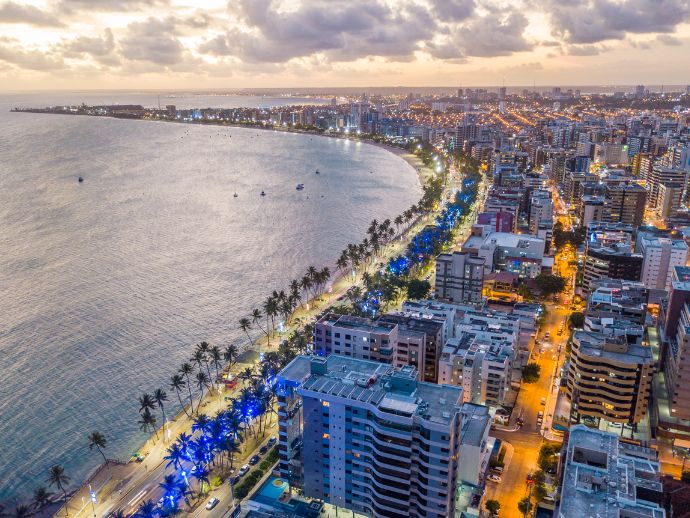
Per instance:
x=105, y=44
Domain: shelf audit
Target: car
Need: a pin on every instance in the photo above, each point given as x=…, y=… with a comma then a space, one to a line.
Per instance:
x=254, y=460
x=493, y=478
x=243, y=470
x=540, y=414
x=271, y=441
x=263, y=449
x=234, y=480
x=549, y=498
x=212, y=503
x=498, y=469
x=543, y=401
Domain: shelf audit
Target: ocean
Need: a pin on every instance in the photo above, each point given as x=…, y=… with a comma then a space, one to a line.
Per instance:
x=107, y=285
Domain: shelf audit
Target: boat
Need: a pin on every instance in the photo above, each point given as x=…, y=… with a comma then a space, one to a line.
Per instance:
x=300, y=186
x=263, y=193
x=317, y=172
x=81, y=179
x=234, y=195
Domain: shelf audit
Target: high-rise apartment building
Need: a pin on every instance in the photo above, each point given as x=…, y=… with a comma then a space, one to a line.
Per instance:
x=610, y=263
x=659, y=174
x=660, y=256
x=369, y=438
x=459, y=277
x=625, y=203
x=608, y=379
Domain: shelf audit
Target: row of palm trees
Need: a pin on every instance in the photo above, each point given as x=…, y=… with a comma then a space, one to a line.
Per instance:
x=58, y=479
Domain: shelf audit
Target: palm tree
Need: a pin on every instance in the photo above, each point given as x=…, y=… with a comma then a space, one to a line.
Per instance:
x=41, y=498
x=202, y=381
x=147, y=509
x=246, y=325
x=177, y=384
x=187, y=369
x=201, y=474
x=98, y=440
x=22, y=511
x=230, y=354
x=148, y=422
x=175, y=456
x=199, y=358
x=160, y=397
x=205, y=349
x=146, y=402
x=270, y=310
x=216, y=357
x=170, y=488
x=58, y=478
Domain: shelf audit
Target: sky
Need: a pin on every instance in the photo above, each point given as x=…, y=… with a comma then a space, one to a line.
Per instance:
x=233, y=44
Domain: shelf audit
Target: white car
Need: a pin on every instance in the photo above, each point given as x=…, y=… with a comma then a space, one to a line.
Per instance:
x=212, y=503
x=493, y=478
x=243, y=470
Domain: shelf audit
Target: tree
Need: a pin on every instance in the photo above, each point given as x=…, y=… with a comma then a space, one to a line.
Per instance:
x=685, y=476
x=576, y=320
x=160, y=397
x=147, y=509
x=146, y=402
x=547, y=458
x=41, y=498
x=550, y=284
x=493, y=506
x=418, y=289
x=525, y=505
x=58, y=478
x=97, y=440
x=22, y=511
x=177, y=384
x=187, y=369
x=531, y=372
x=216, y=358
x=246, y=325
x=148, y=422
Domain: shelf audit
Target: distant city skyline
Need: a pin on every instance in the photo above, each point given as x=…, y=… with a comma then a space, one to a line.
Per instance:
x=156, y=44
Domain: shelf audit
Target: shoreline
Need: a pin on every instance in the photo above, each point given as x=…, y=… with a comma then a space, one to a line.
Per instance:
x=126, y=470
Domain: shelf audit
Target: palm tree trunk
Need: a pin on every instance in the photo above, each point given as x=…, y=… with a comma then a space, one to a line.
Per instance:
x=64, y=492
x=181, y=404
x=191, y=399
x=101, y=452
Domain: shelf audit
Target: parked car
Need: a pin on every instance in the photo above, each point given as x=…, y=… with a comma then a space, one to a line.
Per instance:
x=493, y=478
x=498, y=469
x=234, y=480
x=543, y=401
x=263, y=449
x=212, y=503
x=272, y=441
x=243, y=470
x=254, y=460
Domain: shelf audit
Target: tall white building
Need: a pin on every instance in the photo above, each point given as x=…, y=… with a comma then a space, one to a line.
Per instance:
x=459, y=277
x=660, y=256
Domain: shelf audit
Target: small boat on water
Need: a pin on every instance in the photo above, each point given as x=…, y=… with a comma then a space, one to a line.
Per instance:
x=263, y=193
x=300, y=186
x=81, y=179
x=317, y=172
x=234, y=195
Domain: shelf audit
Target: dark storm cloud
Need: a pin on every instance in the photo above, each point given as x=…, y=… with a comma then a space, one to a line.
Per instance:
x=153, y=41
x=592, y=21
x=12, y=12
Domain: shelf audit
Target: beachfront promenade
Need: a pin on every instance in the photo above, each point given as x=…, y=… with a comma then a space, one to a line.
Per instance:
x=123, y=488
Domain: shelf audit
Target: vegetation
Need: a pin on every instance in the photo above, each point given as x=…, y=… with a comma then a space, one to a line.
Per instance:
x=59, y=479
x=531, y=373
x=685, y=476
x=525, y=505
x=550, y=284
x=576, y=320
x=97, y=440
x=418, y=289
x=547, y=457
x=492, y=506
x=563, y=237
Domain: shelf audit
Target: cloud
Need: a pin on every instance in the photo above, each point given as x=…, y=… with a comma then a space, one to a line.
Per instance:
x=453, y=10
x=669, y=40
x=12, y=12
x=342, y=31
x=154, y=41
x=592, y=21
x=71, y=6
x=582, y=50
x=102, y=49
x=30, y=59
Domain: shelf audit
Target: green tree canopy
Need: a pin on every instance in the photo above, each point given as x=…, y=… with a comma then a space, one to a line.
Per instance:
x=550, y=284
x=418, y=289
x=531, y=372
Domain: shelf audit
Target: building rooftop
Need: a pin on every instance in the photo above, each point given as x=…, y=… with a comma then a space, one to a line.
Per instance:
x=606, y=478
x=356, y=323
x=395, y=391
x=474, y=424
x=598, y=344
x=681, y=278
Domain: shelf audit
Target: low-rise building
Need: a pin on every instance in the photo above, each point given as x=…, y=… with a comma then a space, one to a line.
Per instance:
x=607, y=478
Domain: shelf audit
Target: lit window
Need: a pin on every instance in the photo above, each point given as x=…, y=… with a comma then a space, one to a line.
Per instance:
x=325, y=403
x=326, y=436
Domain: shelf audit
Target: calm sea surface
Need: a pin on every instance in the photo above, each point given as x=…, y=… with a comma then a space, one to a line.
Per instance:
x=105, y=286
